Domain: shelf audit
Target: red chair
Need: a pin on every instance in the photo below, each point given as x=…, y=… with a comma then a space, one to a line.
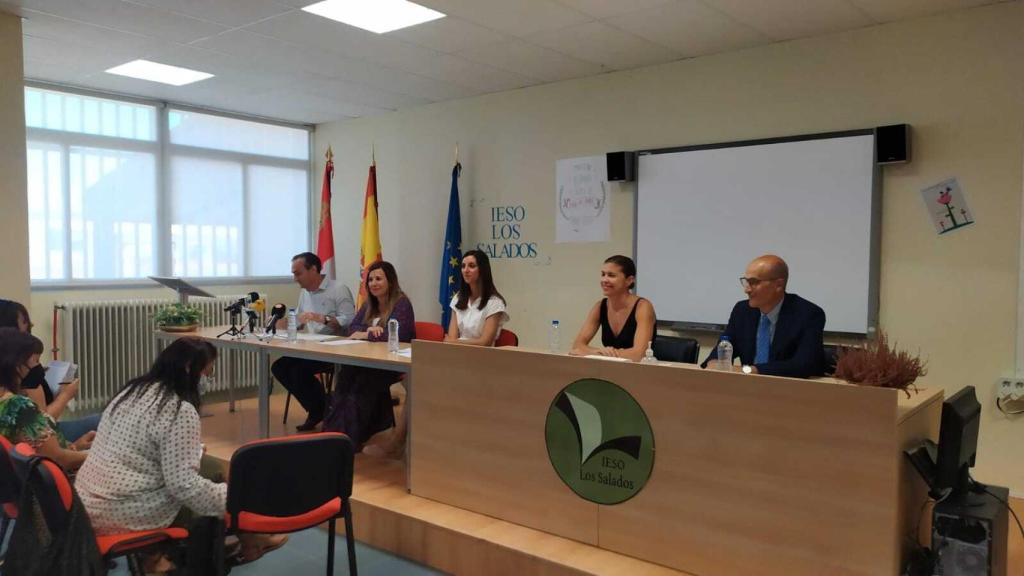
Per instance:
x=287, y=484
x=10, y=489
x=54, y=492
x=430, y=331
x=506, y=338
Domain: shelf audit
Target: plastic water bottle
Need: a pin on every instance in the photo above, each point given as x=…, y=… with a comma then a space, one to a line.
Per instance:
x=293, y=325
x=649, y=355
x=724, y=354
x=553, y=343
x=392, y=335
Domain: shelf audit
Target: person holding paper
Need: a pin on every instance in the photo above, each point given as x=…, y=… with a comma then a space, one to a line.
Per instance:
x=774, y=332
x=51, y=394
x=361, y=406
x=20, y=419
x=325, y=307
x=479, y=309
x=627, y=321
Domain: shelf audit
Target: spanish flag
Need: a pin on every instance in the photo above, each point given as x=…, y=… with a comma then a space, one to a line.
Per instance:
x=369, y=248
x=325, y=238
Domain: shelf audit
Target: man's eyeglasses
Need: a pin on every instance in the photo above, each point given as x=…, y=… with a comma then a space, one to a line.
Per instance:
x=752, y=282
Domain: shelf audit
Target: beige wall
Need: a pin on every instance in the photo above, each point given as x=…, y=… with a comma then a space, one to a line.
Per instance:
x=956, y=78
x=14, y=283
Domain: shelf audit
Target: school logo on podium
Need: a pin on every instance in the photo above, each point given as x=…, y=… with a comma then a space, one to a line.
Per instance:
x=599, y=441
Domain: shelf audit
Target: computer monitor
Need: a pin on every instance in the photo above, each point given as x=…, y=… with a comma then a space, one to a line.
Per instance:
x=944, y=466
x=958, y=441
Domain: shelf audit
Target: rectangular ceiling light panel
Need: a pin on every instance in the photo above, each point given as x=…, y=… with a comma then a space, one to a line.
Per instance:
x=378, y=16
x=156, y=72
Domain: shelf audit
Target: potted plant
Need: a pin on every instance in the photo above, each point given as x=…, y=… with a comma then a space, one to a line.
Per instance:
x=178, y=318
x=878, y=364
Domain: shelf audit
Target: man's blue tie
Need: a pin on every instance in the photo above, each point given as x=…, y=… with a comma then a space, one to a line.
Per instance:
x=764, y=339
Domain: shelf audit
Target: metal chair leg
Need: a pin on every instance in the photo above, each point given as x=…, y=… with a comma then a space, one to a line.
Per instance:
x=287, y=402
x=330, y=547
x=350, y=539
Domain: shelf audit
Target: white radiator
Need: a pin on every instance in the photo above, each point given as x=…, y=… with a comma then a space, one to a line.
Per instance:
x=113, y=342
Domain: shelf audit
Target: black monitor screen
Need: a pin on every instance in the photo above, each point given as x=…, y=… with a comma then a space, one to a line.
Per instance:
x=958, y=440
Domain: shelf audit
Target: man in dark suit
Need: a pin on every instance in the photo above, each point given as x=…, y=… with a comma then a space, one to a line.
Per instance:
x=773, y=332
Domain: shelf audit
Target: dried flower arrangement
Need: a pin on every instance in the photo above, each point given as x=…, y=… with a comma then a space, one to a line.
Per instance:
x=878, y=364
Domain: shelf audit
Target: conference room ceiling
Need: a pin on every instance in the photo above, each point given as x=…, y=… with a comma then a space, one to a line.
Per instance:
x=274, y=60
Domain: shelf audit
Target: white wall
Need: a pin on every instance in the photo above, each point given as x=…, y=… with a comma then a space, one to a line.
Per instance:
x=956, y=78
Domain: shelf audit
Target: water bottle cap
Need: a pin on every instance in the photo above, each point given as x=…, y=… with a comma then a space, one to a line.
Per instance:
x=554, y=322
x=724, y=338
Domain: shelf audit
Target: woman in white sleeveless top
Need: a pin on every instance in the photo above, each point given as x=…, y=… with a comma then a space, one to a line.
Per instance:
x=479, y=309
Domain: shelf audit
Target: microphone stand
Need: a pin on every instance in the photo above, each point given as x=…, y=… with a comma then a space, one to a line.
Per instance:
x=233, y=331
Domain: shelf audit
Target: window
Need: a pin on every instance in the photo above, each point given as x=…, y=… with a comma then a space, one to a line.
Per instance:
x=234, y=201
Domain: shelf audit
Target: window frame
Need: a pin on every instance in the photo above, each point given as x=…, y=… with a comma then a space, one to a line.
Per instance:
x=163, y=151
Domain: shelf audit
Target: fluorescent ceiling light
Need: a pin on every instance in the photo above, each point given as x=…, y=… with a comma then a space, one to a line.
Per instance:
x=156, y=72
x=378, y=16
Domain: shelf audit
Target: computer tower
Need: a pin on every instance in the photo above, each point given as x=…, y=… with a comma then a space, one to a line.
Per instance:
x=969, y=534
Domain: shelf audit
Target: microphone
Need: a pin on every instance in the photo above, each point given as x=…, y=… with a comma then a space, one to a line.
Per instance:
x=276, y=313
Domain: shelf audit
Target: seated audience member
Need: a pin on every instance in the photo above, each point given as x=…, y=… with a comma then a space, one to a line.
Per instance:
x=774, y=332
x=325, y=307
x=20, y=419
x=144, y=464
x=14, y=315
x=627, y=321
x=361, y=406
x=479, y=309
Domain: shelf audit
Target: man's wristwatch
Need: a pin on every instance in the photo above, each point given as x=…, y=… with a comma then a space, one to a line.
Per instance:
x=747, y=369
x=327, y=319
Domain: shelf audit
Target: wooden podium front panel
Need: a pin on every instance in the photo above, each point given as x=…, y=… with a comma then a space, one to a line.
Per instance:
x=762, y=475
x=478, y=436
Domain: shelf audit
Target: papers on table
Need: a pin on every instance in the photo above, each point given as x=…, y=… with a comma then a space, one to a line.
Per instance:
x=304, y=337
x=59, y=372
x=407, y=352
x=342, y=342
x=612, y=358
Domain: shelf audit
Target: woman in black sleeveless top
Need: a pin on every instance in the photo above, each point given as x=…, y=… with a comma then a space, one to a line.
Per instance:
x=627, y=321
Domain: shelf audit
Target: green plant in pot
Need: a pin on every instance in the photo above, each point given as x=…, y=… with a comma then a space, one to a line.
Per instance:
x=178, y=318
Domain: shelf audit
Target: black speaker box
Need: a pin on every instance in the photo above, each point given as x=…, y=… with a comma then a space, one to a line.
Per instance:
x=892, y=144
x=621, y=166
x=969, y=534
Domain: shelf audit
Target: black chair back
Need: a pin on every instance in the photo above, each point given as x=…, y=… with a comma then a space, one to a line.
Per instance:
x=831, y=356
x=291, y=475
x=10, y=482
x=676, y=349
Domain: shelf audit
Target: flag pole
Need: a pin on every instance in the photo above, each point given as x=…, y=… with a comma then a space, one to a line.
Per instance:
x=330, y=153
x=456, y=151
x=373, y=153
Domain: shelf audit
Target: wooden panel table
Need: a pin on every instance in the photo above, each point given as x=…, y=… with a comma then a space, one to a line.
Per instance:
x=752, y=474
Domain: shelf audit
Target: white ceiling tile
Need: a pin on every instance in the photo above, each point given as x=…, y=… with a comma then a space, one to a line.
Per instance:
x=599, y=43
x=514, y=17
x=532, y=61
x=128, y=17
x=448, y=35
x=602, y=9
x=61, y=72
x=785, y=19
x=690, y=28
x=892, y=10
x=227, y=12
x=72, y=53
x=41, y=25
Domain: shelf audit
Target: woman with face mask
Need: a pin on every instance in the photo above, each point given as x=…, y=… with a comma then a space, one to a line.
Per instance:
x=20, y=419
x=14, y=315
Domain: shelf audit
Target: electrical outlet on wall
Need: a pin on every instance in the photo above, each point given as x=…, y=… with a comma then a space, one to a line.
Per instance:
x=1009, y=389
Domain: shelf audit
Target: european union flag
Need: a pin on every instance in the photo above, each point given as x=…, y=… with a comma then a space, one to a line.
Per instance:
x=451, y=276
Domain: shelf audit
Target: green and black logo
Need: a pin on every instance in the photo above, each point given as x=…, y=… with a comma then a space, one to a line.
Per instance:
x=599, y=441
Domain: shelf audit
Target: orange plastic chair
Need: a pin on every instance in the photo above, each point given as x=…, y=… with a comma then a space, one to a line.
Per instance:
x=506, y=338
x=430, y=331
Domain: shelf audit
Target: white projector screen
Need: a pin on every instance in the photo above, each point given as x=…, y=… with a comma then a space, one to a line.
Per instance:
x=704, y=212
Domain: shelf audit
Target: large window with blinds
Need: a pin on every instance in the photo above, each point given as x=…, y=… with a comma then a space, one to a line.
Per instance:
x=120, y=190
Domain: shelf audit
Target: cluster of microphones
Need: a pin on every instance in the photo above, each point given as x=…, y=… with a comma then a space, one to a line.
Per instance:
x=253, y=306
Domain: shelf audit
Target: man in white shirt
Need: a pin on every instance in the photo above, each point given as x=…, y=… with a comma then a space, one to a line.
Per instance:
x=325, y=307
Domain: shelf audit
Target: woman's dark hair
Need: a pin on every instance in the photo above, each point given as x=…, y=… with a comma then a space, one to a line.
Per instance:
x=394, y=291
x=10, y=312
x=176, y=371
x=487, y=289
x=16, y=347
x=625, y=263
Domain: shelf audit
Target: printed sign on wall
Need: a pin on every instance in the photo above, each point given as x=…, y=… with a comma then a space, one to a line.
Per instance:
x=947, y=207
x=582, y=211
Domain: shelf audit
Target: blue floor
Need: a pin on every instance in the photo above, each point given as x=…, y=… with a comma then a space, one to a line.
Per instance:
x=305, y=554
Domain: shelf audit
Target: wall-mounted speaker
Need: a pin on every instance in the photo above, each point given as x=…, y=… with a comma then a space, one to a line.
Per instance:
x=621, y=166
x=892, y=144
